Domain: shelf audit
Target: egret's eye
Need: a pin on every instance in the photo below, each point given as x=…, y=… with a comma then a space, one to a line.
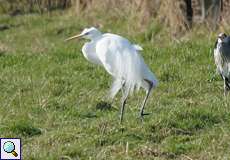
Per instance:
x=86, y=33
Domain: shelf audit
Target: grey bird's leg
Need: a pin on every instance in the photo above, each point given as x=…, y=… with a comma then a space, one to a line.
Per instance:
x=142, y=114
x=123, y=102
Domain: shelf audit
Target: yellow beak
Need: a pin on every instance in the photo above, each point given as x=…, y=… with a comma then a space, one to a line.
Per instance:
x=73, y=37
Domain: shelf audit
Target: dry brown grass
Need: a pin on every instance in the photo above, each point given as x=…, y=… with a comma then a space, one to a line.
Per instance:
x=25, y=6
x=172, y=14
x=143, y=13
x=225, y=16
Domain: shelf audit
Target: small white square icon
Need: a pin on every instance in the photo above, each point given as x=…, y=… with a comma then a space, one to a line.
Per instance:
x=10, y=148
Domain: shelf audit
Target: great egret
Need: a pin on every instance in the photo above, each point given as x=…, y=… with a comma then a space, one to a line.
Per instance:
x=222, y=58
x=122, y=60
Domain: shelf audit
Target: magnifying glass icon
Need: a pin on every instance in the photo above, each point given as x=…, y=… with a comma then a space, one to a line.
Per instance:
x=9, y=147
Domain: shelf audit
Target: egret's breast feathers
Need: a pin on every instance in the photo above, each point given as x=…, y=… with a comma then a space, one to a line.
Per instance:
x=89, y=52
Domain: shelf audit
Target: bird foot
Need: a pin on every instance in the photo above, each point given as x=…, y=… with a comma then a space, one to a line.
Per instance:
x=142, y=115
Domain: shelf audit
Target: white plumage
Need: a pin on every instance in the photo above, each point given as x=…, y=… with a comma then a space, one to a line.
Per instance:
x=122, y=60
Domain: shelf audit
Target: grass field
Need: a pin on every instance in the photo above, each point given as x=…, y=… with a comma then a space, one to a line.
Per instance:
x=50, y=93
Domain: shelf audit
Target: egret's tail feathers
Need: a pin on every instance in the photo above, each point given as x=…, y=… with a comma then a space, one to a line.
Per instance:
x=116, y=86
x=137, y=47
x=131, y=72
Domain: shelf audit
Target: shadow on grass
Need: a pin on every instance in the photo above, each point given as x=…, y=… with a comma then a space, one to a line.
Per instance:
x=24, y=128
x=104, y=106
x=100, y=106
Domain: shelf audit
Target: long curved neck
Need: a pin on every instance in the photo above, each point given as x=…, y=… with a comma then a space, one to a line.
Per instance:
x=95, y=37
x=89, y=52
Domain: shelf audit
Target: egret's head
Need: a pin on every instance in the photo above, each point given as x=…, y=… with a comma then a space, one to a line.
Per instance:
x=88, y=33
x=221, y=37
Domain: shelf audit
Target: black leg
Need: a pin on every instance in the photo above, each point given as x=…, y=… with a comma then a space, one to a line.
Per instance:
x=123, y=102
x=142, y=114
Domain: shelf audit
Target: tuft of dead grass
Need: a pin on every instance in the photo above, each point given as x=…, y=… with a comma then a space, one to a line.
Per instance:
x=172, y=14
x=142, y=13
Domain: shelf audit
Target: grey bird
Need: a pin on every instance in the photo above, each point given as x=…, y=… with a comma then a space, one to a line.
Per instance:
x=222, y=59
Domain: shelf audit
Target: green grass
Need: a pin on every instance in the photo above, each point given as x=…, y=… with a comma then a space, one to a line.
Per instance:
x=50, y=94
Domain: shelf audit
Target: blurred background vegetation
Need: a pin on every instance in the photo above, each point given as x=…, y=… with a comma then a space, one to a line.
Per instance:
x=177, y=15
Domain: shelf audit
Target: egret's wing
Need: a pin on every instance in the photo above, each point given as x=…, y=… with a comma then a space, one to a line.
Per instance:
x=109, y=51
x=89, y=52
x=122, y=60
